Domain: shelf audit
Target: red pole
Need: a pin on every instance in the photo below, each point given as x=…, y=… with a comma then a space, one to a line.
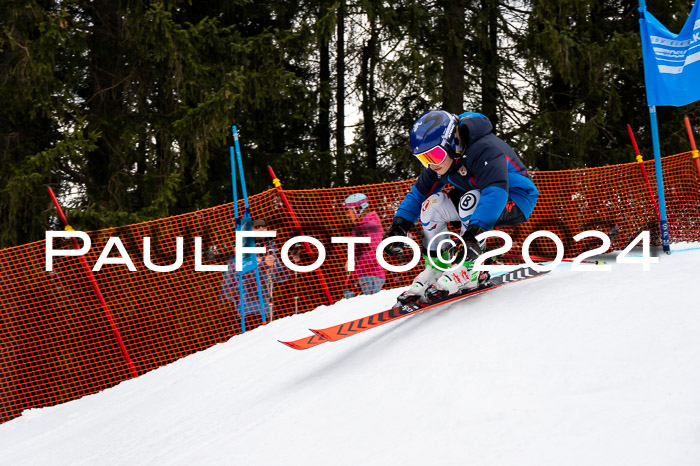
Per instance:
x=644, y=171
x=96, y=288
x=696, y=153
x=297, y=226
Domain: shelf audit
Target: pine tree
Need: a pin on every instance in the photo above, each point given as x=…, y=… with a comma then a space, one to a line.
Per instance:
x=124, y=107
x=129, y=105
x=585, y=62
x=42, y=130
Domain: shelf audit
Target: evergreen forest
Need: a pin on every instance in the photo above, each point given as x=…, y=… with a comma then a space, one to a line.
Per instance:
x=125, y=107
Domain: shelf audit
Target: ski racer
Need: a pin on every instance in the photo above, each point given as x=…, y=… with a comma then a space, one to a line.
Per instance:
x=492, y=188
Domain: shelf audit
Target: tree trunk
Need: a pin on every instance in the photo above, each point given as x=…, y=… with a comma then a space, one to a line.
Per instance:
x=453, y=63
x=490, y=63
x=340, y=99
x=105, y=105
x=324, y=106
x=369, y=52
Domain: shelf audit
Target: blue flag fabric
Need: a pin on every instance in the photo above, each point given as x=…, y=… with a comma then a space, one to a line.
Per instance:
x=671, y=61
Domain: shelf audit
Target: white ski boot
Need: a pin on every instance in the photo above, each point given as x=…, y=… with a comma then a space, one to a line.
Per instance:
x=463, y=278
x=420, y=284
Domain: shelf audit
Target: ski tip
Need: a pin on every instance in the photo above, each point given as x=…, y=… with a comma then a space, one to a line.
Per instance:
x=320, y=334
x=291, y=344
x=304, y=343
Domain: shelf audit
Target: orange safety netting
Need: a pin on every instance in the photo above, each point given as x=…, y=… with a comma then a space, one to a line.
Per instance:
x=57, y=343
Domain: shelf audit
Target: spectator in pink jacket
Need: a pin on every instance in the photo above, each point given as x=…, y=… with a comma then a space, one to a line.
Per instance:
x=368, y=275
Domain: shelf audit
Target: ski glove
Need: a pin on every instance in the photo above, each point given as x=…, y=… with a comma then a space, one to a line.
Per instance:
x=399, y=227
x=471, y=249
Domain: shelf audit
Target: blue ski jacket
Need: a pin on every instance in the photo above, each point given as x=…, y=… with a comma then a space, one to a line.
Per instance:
x=486, y=163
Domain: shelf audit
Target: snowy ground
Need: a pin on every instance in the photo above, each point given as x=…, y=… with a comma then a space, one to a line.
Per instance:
x=574, y=368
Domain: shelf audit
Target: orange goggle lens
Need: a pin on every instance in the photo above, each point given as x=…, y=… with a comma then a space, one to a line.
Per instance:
x=435, y=156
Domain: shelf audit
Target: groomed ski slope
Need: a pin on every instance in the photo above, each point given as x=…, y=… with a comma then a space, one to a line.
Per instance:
x=573, y=368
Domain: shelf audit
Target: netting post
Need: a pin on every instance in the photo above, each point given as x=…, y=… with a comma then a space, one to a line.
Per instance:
x=696, y=153
x=300, y=232
x=640, y=160
x=663, y=222
x=96, y=288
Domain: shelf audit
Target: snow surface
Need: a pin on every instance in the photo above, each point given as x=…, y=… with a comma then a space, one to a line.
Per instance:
x=573, y=368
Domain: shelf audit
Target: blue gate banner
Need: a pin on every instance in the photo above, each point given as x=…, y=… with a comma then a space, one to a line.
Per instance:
x=671, y=61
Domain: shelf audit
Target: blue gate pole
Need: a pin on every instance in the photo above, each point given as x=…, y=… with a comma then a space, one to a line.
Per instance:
x=663, y=221
x=246, y=214
x=239, y=278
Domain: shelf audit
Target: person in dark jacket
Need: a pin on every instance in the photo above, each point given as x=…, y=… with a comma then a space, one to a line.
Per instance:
x=492, y=188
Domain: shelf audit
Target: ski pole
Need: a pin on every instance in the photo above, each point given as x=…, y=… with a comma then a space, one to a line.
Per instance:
x=512, y=256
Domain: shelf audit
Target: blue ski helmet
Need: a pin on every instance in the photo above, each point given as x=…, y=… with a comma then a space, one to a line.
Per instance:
x=358, y=202
x=434, y=129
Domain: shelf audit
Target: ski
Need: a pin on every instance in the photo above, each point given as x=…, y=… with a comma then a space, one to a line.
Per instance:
x=304, y=343
x=353, y=327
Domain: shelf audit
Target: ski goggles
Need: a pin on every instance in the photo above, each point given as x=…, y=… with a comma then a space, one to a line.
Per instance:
x=434, y=156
